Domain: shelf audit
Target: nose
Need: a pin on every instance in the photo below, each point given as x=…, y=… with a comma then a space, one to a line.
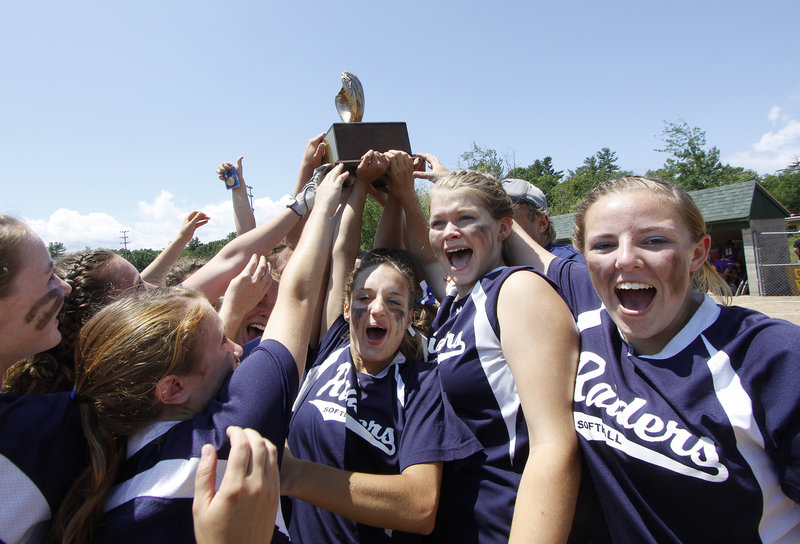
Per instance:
x=378, y=306
x=63, y=286
x=451, y=231
x=628, y=256
x=237, y=349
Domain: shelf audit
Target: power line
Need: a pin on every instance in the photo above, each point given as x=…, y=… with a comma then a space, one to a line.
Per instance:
x=124, y=238
x=250, y=194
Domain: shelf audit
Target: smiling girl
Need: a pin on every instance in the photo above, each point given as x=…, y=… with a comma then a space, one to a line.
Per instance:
x=506, y=348
x=34, y=476
x=370, y=430
x=688, y=411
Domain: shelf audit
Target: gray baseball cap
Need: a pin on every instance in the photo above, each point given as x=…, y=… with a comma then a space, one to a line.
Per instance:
x=520, y=190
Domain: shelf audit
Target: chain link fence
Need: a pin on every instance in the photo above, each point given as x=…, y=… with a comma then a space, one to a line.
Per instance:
x=778, y=268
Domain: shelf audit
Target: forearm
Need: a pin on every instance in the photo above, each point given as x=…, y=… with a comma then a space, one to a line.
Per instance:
x=547, y=493
x=390, y=227
x=390, y=501
x=213, y=278
x=157, y=270
x=232, y=320
x=419, y=244
x=243, y=216
x=346, y=244
x=524, y=250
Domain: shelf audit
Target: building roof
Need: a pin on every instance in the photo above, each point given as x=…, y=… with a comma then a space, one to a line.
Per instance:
x=724, y=208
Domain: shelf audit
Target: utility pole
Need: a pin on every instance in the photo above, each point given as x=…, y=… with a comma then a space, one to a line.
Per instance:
x=250, y=194
x=124, y=238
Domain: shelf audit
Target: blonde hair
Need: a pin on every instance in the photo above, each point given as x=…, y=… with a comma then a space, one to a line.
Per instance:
x=704, y=279
x=122, y=353
x=486, y=187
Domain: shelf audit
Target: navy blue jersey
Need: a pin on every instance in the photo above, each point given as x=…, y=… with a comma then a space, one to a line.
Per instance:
x=565, y=251
x=42, y=452
x=378, y=424
x=482, y=391
x=152, y=500
x=697, y=443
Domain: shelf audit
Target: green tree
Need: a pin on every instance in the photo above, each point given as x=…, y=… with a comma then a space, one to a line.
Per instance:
x=541, y=173
x=198, y=250
x=56, y=249
x=369, y=223
x=139, y=258
x=193, y=245
x=690, y=165
x=785, y=186
x=483, y=160
x=596, y=169
x=607, y=160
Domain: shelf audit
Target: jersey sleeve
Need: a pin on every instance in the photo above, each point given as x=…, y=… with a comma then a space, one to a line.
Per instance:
x=432, y=432
x=771, y=367
x=336, y=336
x=574, y=283
x=258, y=395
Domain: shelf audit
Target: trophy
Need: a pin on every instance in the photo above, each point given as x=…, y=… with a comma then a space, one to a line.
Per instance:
x=347, y=141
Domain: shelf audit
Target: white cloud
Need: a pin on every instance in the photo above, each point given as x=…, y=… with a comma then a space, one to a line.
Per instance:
x=77, y=231
x=774, y=150
x=157, y=223
x=774, y=113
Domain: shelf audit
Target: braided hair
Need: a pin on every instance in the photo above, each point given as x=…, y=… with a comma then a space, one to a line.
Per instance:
x=92, y=289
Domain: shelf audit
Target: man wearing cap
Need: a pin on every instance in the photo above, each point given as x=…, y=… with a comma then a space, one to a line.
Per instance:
x=530, y=211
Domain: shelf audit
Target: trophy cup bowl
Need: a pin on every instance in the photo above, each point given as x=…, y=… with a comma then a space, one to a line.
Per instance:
x=346, y=142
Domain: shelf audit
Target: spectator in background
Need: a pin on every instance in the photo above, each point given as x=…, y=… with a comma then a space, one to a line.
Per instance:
x=796, y=249
x=531, y=212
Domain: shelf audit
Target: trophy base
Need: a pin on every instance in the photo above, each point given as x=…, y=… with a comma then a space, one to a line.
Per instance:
x=346, y=143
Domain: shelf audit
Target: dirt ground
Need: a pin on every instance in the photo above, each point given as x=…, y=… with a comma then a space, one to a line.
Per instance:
x=787, y=308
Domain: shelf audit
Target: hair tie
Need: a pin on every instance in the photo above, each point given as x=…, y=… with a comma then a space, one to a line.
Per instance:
x=80, y=399
x=427, y=298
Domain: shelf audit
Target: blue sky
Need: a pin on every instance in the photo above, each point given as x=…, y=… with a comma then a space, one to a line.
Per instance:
x=114, y=116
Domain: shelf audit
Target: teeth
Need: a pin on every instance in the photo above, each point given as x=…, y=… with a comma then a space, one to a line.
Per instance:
x=455, y=249
x=633, y=285
x=257, y=326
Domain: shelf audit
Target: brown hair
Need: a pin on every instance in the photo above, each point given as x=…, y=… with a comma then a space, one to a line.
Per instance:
x=122, y=353
x=14, y=236
x=705, y=278
x=182, y=270
x=404, y=262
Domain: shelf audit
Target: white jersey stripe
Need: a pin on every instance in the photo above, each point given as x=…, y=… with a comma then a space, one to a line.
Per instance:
x=313, y=374
x=589, y=319
x=780, y=515
x=25, y=514
x=169, y=479
x=497, y=371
